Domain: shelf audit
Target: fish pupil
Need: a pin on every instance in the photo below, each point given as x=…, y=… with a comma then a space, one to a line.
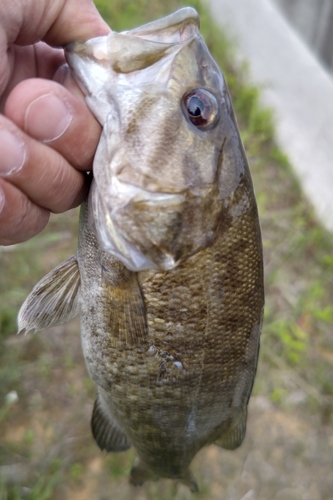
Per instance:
x=195, y=106
x=201, y=108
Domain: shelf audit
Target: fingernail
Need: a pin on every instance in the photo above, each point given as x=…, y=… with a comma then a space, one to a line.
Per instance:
x=2, y=199
x=47, y=118
x=12, y=153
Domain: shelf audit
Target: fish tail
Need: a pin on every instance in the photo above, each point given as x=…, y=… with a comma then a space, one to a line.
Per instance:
x=140, y=474
x=189, y=480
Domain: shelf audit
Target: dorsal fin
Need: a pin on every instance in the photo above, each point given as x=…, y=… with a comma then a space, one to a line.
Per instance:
x=54, y=300
x=106, y=432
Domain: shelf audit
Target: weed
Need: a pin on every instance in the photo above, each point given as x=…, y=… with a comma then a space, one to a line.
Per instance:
x=76, y=471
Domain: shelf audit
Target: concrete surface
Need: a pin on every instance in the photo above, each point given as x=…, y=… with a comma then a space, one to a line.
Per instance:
x=313, y=20
x=295, y=85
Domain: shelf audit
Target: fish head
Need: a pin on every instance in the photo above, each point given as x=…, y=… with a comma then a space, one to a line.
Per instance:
x=170, y=157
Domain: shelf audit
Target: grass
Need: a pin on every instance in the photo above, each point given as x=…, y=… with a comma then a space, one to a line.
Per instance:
x=46, y=432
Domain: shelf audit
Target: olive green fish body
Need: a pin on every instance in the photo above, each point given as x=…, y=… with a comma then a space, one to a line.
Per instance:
x=176, y=351
x=168, y=273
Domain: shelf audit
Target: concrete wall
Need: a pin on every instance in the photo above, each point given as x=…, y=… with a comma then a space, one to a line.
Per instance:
x=294, y=84
x=313, y=19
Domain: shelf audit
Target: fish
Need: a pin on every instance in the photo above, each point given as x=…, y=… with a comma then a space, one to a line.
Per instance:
x=168, y=274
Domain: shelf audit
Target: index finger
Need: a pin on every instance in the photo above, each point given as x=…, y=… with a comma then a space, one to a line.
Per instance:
x=57, y=22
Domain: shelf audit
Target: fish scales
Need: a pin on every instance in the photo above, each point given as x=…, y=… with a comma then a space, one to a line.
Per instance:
x=168, y=274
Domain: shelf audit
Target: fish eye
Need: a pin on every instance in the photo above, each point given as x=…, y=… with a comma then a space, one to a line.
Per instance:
x=201, y=107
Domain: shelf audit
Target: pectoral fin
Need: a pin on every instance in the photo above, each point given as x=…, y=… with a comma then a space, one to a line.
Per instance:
x=126, y=306
x=54, y=300
x=234, y=438
x=106, y=433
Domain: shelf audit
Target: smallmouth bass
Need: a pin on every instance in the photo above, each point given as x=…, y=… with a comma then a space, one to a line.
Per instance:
x=168, y=273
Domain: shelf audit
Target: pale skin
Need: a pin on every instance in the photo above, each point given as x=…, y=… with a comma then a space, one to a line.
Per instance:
x=47, y=134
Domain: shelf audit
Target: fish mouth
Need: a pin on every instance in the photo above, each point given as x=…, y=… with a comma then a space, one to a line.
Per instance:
x=139, y=48
x=126, y=228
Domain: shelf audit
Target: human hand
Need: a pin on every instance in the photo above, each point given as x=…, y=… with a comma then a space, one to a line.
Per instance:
x=47, y=134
